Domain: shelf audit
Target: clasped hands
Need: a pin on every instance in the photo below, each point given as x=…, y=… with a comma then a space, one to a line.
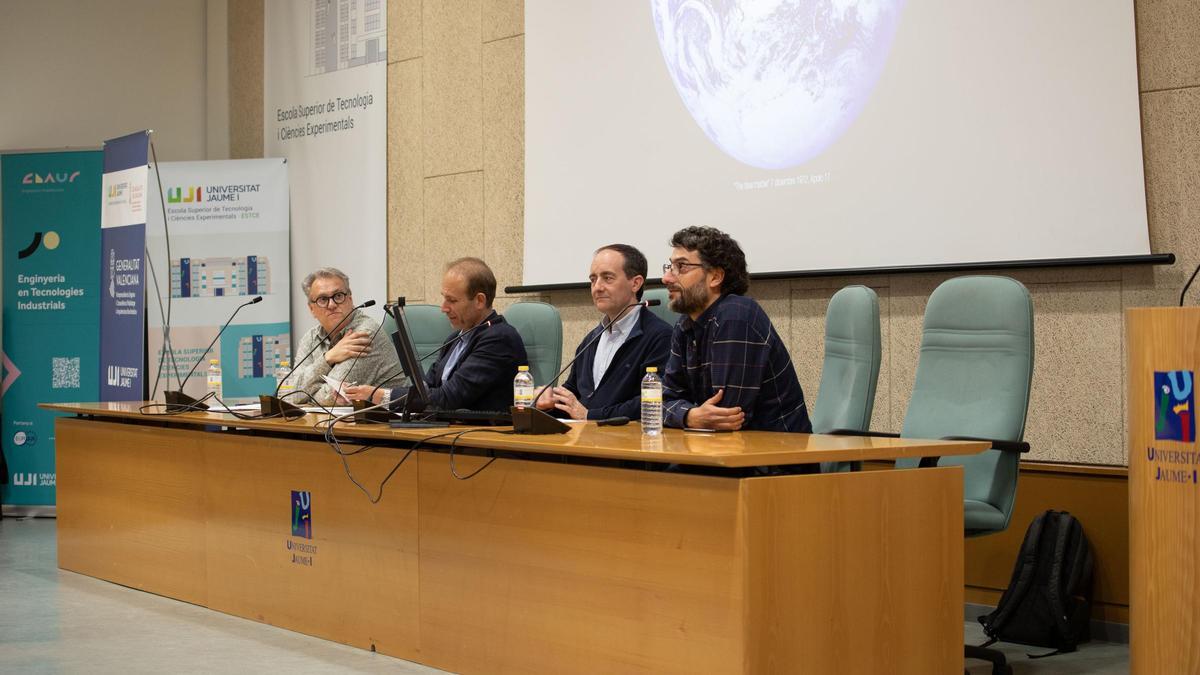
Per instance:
x=562, y=399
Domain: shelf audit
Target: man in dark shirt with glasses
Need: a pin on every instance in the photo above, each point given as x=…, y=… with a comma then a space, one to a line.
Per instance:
x=728, y=368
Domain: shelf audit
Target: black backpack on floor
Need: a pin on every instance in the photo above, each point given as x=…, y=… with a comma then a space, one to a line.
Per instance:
x=1048, y=602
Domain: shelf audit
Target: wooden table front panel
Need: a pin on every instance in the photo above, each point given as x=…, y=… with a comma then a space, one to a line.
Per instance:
x=359, y=586
x=855, y=572
x=529, y=566
x=131, y=506
x=553, y=567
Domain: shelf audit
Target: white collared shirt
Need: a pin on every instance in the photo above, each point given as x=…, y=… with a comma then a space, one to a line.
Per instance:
x=610, y=341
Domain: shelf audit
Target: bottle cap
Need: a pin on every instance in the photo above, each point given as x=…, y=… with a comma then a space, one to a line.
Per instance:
x=284, y=363
x=522, y=369
x=651, y=369
x=213, y=361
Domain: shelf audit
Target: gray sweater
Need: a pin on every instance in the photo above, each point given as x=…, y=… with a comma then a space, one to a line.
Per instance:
x=378, y=367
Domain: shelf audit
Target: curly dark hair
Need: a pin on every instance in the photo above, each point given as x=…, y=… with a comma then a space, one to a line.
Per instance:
x=717, y=249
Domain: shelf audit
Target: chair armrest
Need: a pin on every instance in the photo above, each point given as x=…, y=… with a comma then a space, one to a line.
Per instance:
x=867, y=433
x=1019, y=447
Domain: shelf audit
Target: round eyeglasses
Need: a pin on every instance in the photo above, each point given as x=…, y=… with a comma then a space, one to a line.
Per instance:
x=324, y=300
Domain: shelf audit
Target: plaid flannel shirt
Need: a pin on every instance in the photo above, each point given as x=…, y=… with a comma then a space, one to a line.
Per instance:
x=733, y=346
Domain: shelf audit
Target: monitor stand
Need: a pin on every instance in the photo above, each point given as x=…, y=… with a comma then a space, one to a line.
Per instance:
x=407, y=422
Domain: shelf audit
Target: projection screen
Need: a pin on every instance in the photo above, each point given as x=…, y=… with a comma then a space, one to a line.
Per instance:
x=832, y=134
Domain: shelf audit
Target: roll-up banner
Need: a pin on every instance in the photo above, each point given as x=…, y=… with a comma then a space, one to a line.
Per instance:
x=325, y=100
x=51, y=275
x=122, y=260
x=227, y=230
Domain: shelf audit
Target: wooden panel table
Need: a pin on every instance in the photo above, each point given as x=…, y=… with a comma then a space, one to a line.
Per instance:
x=592, y=551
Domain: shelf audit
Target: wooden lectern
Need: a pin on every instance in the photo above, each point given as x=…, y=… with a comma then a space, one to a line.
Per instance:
x=1164, y=489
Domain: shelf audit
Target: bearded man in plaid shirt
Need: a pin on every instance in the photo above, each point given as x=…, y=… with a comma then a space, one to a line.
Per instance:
x=728, y=368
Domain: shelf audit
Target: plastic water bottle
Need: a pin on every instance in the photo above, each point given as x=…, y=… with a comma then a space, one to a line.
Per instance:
x=651, y=403
x=214, y=378
x=523, y=387
x=285, y=385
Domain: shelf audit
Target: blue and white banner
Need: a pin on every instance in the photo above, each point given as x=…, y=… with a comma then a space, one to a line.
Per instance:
x=227, y=223
x=122, y=261
x=51, y=308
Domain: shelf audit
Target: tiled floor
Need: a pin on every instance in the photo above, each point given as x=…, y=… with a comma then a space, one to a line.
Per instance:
x=59, y=622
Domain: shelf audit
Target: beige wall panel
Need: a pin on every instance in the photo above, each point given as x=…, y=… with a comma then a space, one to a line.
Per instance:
x=1171, y=148
x=503, y=302
x=502, y=19
x=1075, y=410
x=453, y=225
x=909, y=295
x=451, y=102
x=404, y=30
x=406, y=228
x=504, y=158
x=808, y=308
x=1168, y=32
x=245, y=79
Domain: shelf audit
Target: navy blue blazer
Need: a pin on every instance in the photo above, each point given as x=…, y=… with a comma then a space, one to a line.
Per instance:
x=619, y=392
x=483, y=377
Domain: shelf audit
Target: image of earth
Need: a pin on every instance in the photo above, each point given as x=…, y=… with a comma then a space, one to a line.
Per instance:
x=773, y=83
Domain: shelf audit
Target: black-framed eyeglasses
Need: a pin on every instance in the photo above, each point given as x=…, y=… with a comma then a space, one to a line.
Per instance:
x=680, y=267
x=323, y=300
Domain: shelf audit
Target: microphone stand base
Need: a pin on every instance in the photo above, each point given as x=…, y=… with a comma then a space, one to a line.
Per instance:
x=532, y=421
x=374, y=416
x=272, y=406
x=177, y=401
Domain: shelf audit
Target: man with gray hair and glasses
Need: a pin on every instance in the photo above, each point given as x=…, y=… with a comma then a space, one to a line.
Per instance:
x=350, y=348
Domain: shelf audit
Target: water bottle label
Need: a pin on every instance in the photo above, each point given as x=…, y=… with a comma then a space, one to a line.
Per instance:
x=523, y=395
x=652, y=395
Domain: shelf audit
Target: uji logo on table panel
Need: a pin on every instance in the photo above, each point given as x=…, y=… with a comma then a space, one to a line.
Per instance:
x=1174, y=406
x=302, y=514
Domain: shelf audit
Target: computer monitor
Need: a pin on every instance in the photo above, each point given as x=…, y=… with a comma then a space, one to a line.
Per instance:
x=409, y=362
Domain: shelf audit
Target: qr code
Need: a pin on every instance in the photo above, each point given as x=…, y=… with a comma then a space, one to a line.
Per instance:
x=64, y=372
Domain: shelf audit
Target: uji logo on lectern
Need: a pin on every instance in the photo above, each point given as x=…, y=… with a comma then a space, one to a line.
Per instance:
x=302, y=514
x=1174, y=406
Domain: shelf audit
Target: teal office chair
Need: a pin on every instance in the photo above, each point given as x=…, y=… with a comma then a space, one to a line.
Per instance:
x=662, y=311
x=850, y=372
x=540, y=327
x=973, y=380
x=429, y=327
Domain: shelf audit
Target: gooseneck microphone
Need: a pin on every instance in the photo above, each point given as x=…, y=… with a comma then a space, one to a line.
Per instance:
x=177, y=400
x=530, y=420
x=272, y=406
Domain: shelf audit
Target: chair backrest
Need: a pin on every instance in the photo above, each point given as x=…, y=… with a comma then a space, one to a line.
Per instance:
x=429, y=329
x=973, y=379
x=850, y=371
x=540, y=327
x=662, y=310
